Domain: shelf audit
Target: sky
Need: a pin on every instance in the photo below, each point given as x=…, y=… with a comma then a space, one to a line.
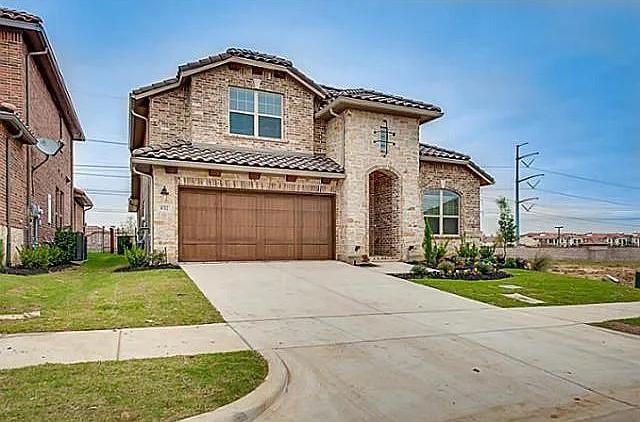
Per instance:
x=563, y=76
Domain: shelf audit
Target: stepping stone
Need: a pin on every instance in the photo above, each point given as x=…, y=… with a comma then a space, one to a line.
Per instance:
x=25, y=315
x=523, y=298
x=510, y=286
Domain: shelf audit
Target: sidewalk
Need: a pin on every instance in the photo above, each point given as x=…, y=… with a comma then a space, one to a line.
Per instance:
x=17, y=350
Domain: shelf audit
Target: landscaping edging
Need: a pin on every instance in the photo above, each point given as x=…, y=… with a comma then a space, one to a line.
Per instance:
x=256, y=402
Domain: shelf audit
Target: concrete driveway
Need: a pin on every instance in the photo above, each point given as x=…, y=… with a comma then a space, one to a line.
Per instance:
x=361, y=345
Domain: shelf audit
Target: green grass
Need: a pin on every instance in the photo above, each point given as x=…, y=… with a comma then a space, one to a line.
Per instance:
x=554, y=289
x=630, y=325
x=609, y=264
x=92, y=296
x=147, y=389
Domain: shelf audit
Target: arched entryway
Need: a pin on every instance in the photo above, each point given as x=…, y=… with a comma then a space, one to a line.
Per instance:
x=384, y=214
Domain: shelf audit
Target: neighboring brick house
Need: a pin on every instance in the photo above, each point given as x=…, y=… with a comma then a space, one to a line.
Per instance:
x=243, y=157
x=35, y=105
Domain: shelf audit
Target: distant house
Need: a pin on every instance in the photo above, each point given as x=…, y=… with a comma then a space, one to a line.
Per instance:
x=36, y=191
x=569, y=240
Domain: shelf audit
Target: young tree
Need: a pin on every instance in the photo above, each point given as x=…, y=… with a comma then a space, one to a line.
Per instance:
x=427, y=243
x=506, y=225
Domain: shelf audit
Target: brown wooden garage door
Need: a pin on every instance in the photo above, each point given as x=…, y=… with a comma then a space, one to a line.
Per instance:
x=215, y=225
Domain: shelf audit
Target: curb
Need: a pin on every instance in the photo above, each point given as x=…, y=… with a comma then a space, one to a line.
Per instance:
x=249, y=407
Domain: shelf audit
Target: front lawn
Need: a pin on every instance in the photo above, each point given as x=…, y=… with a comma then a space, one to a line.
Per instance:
x=553, y=289
x=92, y=296
x=148, y=389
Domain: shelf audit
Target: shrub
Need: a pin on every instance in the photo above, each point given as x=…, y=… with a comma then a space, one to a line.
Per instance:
x=137, y=257
x=1, y=253
x=468, y=251
x=440, y=252
x=419, y=271
x=485, y=267
x=157, y=258
x=428, y=244
x=488, y=253
x=540, y=263
x=510, y=263
x=67, y=241
x=55, y=255
x=447, y=267
x=34, y=258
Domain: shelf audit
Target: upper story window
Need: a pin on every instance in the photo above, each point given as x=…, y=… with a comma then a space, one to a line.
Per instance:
x=255, y=113
x=442, y=211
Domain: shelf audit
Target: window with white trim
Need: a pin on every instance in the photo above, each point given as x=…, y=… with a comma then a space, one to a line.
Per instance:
x=255, y=113
x=441, y=209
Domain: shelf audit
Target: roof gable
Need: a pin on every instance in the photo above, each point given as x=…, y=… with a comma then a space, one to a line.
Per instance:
x=230, y=55
x=430, y=152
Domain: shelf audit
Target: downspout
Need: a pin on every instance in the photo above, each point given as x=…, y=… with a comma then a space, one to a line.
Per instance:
x=27, y=115
x=7, y=198
x=146, y=126
x=150, y=202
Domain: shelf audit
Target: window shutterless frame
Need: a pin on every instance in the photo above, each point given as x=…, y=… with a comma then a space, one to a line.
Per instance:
x=441, y=216
x=254, y=111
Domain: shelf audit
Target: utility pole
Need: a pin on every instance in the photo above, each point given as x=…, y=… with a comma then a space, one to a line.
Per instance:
x=559, y=228
x=520, y=159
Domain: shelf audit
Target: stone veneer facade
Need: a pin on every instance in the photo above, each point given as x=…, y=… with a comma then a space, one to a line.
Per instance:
x=198, y=111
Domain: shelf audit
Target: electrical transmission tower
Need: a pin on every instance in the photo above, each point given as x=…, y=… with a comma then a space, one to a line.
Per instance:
x=520, y=159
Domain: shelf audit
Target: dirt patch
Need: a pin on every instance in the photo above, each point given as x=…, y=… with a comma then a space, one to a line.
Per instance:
x=626, y=275
x=620, y=326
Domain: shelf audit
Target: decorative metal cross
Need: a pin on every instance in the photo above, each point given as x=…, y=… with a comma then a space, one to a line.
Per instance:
x=383, y=138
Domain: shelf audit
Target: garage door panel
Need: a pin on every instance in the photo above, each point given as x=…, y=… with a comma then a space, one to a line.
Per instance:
x=225, y=225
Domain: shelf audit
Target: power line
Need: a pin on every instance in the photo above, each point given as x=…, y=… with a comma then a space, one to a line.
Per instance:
x=101, y=166
x=104, y=141
x=588, y=179
x=101, y=175
x=589, y=198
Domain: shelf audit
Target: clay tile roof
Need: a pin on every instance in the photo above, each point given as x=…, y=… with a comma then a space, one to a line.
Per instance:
x=439, y=152
x=433, y=151
x=379, y=97
x=213, y=154
x=17, y=15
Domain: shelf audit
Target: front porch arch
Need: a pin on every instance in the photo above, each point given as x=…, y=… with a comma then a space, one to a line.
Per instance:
x=384, y=214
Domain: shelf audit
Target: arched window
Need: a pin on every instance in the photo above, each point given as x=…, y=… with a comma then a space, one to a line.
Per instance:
x=441, y=209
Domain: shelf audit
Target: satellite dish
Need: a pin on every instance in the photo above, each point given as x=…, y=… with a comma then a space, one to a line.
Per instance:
x=49, y=146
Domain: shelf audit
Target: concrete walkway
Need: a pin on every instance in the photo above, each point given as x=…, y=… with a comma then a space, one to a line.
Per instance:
x=17, y=350
x=361, y=345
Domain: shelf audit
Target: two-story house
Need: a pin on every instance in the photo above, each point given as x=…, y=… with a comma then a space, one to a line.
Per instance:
x=241, y=156
x=36, y=190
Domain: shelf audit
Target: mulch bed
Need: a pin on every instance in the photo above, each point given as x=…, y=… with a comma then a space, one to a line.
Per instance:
x=128, y=269
x=619, y=326
x=34, y=271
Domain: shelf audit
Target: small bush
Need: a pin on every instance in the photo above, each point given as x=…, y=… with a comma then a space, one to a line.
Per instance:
x=485, y=267
x=440, y=251
x=510, y=263
x=56, y=256
x=540, y=263
x=467, y=250
x=1, y=253
x=67, y=241
x=158, y=258
x=137, y=257
x=419, y=271
x=34, y=258
x=488, y=253
x=447, y=267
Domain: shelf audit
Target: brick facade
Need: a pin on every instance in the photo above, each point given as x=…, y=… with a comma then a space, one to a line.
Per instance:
x=379, y=200
x=199, y=111
x=45, y=120
x=458, y=178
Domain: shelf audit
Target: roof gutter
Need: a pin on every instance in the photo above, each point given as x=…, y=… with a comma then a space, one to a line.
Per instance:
x=64, y=98
x=19, y=127
x=342, y=102
x=237, y=169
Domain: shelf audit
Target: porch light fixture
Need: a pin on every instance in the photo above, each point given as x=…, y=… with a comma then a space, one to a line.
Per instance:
x=383, y=138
